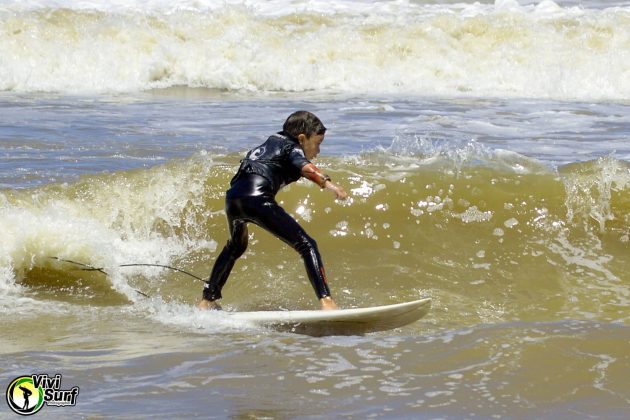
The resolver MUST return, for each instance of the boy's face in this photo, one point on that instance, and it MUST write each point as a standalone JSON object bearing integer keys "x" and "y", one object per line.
{"x": 310, "y": 145}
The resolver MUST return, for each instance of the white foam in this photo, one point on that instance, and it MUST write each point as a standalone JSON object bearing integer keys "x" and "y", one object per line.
{"x": 105, "y": 223}
{"x": 193, "y": 319}
{"x": 503, "y": 49}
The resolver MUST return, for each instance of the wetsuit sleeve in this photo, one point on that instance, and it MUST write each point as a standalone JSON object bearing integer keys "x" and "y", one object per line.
{"x": 297, "y": 159}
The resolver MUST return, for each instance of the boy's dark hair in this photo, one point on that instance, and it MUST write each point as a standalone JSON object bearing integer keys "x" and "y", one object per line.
{"x": 303, "y": 122}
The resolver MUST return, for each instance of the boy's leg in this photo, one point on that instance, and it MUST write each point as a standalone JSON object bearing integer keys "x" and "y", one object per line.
{"x": 234, "y": 248}
{"x": 274, "y": 219}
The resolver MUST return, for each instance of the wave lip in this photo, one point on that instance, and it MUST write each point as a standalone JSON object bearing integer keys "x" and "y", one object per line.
{"x": 504, "y": 49}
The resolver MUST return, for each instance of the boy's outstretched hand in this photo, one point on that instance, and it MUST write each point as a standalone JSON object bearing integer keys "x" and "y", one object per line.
{"x": 339, "y": 192}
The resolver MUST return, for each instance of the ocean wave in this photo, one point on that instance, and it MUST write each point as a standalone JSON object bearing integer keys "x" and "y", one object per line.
{"x": 482, "y": 213}
{"x": 504, "y": 49}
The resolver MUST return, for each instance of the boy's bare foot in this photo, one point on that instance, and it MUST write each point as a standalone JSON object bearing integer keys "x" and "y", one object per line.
{"x": 328, "y": 304}
{"x": 212, "y": 305}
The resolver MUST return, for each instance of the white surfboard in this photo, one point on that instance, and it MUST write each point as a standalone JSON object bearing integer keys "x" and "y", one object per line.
{"x": 341, "y": 321}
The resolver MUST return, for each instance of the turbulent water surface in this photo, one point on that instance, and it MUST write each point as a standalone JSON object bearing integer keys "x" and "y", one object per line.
{"x": 485, "y": 150}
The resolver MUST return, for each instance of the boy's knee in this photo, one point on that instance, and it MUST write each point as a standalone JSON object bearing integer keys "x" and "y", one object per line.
{"x": 236, "y": 248}
{"x": 305, "y": 245}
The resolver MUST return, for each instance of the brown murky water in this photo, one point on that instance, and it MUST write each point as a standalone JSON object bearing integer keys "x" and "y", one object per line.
{"x": 528, "y": 272}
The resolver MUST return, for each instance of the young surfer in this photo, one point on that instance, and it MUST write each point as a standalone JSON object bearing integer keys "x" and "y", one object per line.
{"x": 282, "y": 159}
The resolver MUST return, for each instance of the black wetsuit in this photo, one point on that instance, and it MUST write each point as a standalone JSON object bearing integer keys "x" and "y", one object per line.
{"x": 251, "y": 198}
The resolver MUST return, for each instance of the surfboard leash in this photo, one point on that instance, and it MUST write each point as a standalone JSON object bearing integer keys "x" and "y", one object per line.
{"x": 87, "y": 267}
{"x": 163, "y": 266}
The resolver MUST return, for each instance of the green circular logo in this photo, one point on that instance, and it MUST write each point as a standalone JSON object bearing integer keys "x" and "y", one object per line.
{"x": 23, "y": 398}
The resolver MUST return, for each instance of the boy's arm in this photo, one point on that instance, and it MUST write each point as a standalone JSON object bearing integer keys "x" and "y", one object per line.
{"x": 313, "y": 173}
